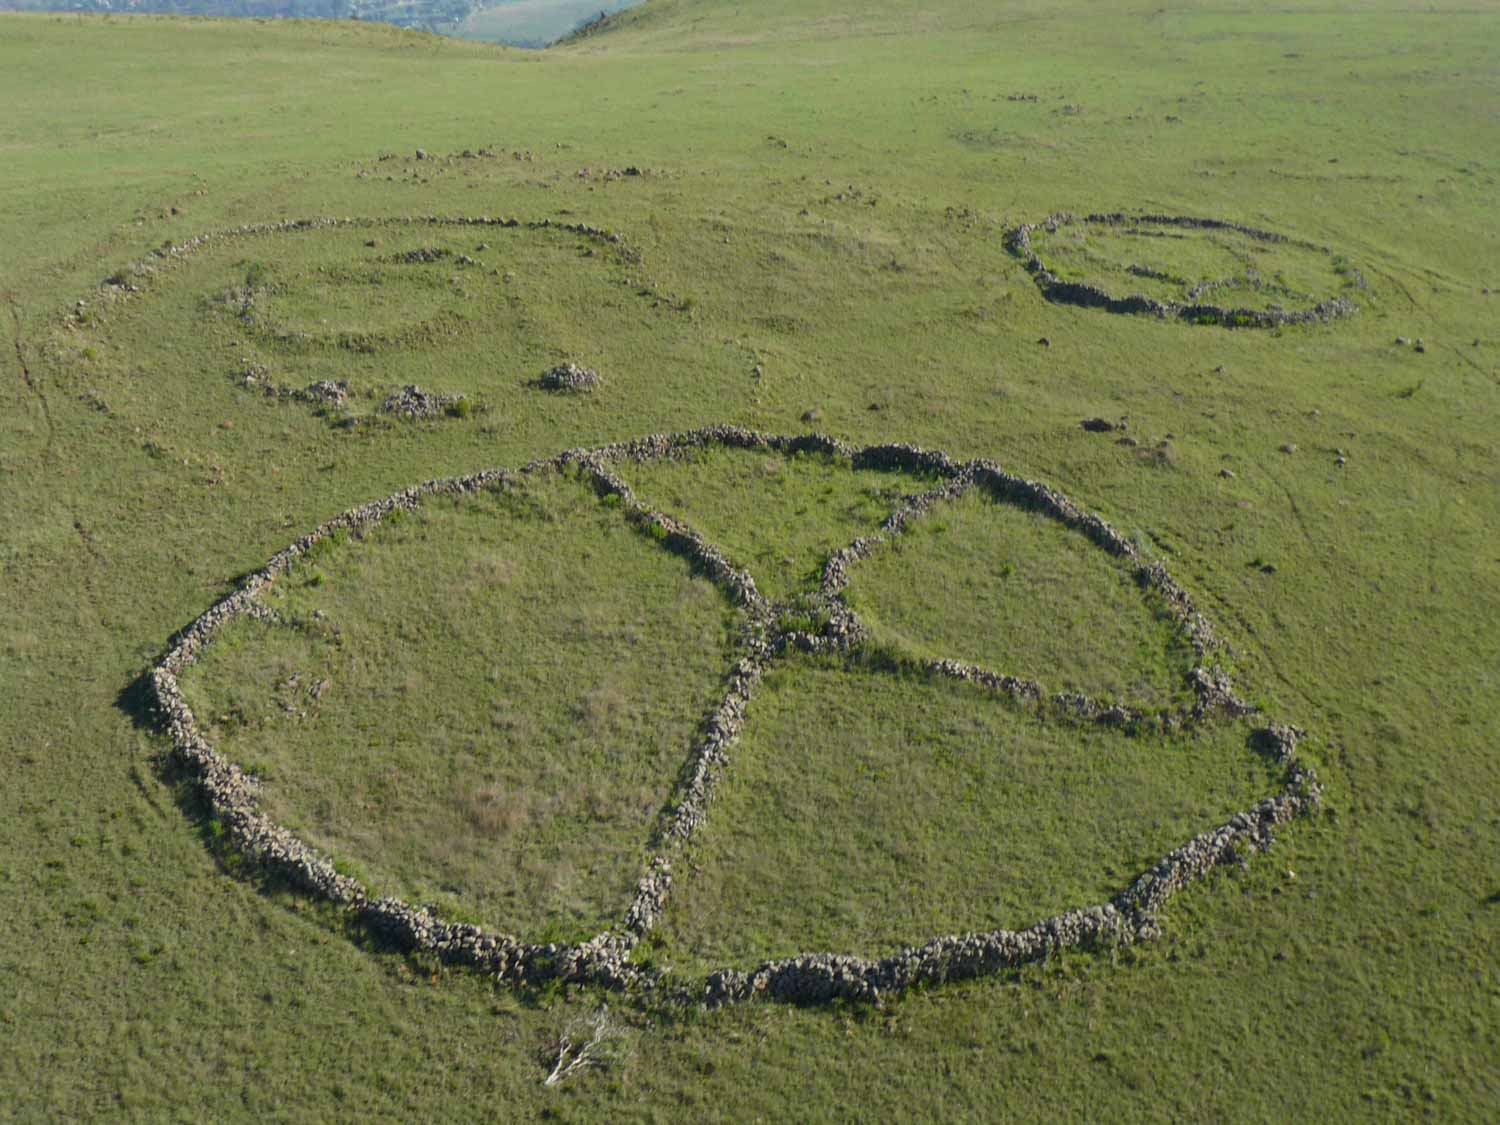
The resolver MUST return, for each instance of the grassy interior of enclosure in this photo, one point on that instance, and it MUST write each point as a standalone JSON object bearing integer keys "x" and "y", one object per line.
{"x": 1015, "y": 591}
{"x": 866, "y": 811}
{"x": 482, "y": 704}
{"x": 478, "y": 311}
{"x": 779, "y": 516}
{"x": 1167, "y": 263}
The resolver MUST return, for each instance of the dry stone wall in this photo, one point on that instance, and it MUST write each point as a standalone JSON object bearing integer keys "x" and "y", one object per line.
{"x": 1196, "y": 311}
{"x": 767, "y": 631}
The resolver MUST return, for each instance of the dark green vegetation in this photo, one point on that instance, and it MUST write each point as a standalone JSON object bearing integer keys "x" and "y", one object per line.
{"x": 829, "y": 186}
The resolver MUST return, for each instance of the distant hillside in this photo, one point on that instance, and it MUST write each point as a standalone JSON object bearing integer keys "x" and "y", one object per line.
{"x": 532, "y": 23}
{"x": 522, "y": 23}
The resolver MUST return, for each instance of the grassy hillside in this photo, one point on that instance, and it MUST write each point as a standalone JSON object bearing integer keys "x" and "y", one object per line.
{"x": 818, "y": 234}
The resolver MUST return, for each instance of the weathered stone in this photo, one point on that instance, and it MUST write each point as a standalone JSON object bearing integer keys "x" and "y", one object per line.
{"x": 570, "y": 377}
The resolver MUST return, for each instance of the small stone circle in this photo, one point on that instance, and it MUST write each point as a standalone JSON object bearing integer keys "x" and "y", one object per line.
{"x": 768, "y": 631}
{"x": 1194, "y": 310}
{"x": 134, "y": 280}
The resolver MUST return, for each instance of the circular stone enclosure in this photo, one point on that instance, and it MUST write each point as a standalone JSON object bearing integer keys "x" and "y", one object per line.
{"x": 1203, "y": 271}
{"x": 342, "y": 313}
{"x": 694, "y": 743}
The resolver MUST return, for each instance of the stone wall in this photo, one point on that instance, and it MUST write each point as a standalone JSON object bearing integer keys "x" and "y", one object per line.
{"x": 1055, "y": 289}
{"x": 766, "y": 634}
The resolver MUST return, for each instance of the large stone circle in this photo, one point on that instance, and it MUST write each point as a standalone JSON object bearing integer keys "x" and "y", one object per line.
{"x": 768, "y": 631}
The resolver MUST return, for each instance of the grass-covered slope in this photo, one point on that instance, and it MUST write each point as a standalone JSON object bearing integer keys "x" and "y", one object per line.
{"x": 820, "y": 228}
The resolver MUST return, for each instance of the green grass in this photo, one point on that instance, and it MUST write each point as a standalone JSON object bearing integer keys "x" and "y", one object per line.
{"x": 988, "y": 583}
{"x": 866, "y": 811}
{"x": 354, "y": 300}
{"x": 483, "y": 705}
{"x": 144, "y": 981}
{"x": 777, "y": 516}
{"x": 1168, "y": 263}
{"x": 322, "y": 304}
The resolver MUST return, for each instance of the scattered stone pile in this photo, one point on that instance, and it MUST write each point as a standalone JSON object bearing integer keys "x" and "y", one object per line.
{"x": 325, "y": 392}
{"x": 1054, "y": 288}
{"x": 627, "y": 173}
{"x": 411, "y": 401}
{"x": 421, "y": 255}
{"x": 765, "y": 633}
{"x": 133, "y": 279}
{"x": 570, "y": 377}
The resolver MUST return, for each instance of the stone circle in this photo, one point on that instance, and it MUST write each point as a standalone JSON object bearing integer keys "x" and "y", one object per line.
{"x": 768, "y": 631}
{"x": 247, "y": 302}
{"x": 1193, "y": 307}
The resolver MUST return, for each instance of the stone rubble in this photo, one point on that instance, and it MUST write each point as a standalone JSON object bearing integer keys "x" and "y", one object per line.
{"x": 411, "y": 401}
{"x": 421, "y": 255}
{"x": 570, "y": 377}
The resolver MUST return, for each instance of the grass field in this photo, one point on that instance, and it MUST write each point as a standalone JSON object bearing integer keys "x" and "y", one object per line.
{"x": 778, "y": 517}
{"x": 819, "y": 231}
{"x": 868, "y": 811}
{"x": 1013, "y": 591}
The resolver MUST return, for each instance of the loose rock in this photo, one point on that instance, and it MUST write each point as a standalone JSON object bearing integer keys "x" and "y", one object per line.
{"x": 1101, "y": 425}
{"x": 411, "y": 401}
{"x": 570, "y": 377}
